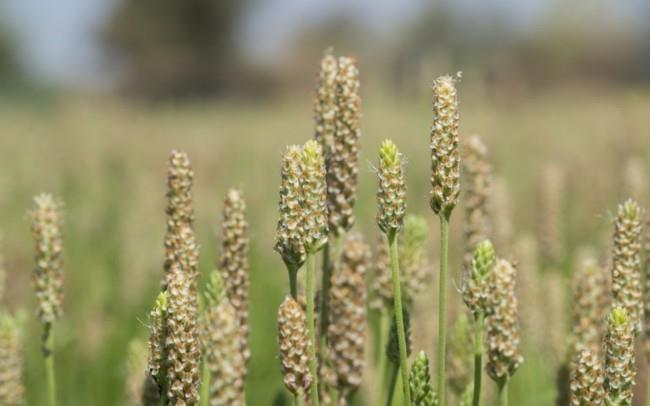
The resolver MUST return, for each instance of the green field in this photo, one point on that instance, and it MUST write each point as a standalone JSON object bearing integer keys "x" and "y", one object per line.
{"x": 107, "y": 160}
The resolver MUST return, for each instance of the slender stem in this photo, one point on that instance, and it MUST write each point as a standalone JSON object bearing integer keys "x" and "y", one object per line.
{"x": 442, "y": 307}
{"x": 478, "y": 358}
{"x": 311, "y": 269}
{"x": 399, "y": 315}
{"x": 299, "y": 398}
{"x": 334, "y": 395}
{"x": 293, "y": 281}
{"x": 48, "y": 354}
{"x": 391, "y": 385}
{"x": 325, "y": 291}
{"x": 384, "y": 328}
{"x": 503, "y": 392}
{"x": 647, "y": 387}
{"x": 205, "y": 384}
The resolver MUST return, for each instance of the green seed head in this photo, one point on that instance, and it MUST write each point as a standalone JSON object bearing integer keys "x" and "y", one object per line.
{"x": 157, "y": 334}
{"x": 627, "y": 291}
{"x": 422, "y": 393}
{"x": 314, "y": 198}
{"x": 289, "y": 237}
{"x": 620, "y": 368}
{"x": 445, "y": 157}
{"x": 475, "y": 287}
{"x": 391, "y": 194}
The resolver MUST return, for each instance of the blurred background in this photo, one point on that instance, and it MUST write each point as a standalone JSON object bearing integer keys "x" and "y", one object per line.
{"x": 95, "y": 93}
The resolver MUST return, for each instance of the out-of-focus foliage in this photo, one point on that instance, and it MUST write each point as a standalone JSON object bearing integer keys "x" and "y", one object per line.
{"x": 175, "y": 48}
{"x": 8, "y": 64}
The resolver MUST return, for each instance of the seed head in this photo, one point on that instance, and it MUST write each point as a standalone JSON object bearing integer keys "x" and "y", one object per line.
{"x": 325, "y": 102}
{"x": 422, "y": 393}
{"x": 552, "y": 195}
{"x": 48, "y": 273}
{"x": 477, "y": 180}
{"x": 342, "y": 159}
{"x": 476, "y": 288}
{"x": 222, "y": 346}
{"x": 626, "y": 264}
{"x": 182, "y": 341}
{"x": 294, "y": 346}
{"x": 12, "y": 391}
{"x": 620, "y": 369}
{"x": 289, "y": 237}
{"x": 346, "y": 333}
{"x": 502, "y": 333}
{"x": 233, "y": 261}
{"x": 314, "y": 197}
{"x": 587, "y": 380}
{"x": 392, "y": 348}
{"x": 591, "y": 303}
{"x": 180, "y": 214}
{"x": 445, "y": 157}
{"x": 141, "y": 389}
{"x": 646, "y": 270}
{"x": 157, "y": 337}
{"x": 391, "y": 194}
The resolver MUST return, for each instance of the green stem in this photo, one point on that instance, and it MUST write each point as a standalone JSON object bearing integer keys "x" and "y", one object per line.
{"x": 399, "y": 315}
{"x": 391, "y": 385}
{"x": 478, "y": 358}
{"x": 311, "y": 269}
{"x": 503, "y": 392}
{"x": 442, "y": 307}
{"x": 299, "y": 398}
{"x": 647, "y": 387}
{"x": 293, "y": 281}
{"x": 205, "y": 384}
{"x": 48, "y": 354}
{"x": 384, "y": 329}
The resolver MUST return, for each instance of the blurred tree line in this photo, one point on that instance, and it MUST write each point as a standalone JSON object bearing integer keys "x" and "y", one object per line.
{"x": 175, "y": 48}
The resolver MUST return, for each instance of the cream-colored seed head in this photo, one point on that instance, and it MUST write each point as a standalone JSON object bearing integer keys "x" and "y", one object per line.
{"x": 314, "y": 196}
{"x": 233, "y": 261}
{"x": 180, "y": 214}
{"x": 620, "y": 368}
{"x": 294, "y": 346}
{"x": 445, "y": 157}
{"x": 587, "y": 380}
{"x": 381, "y": 288}
{"x": 342, "y": 159}
{"x": 391, "y": 194}
{"x": 591, "y": 302}
{"x": 48, "y": 274}
{"x": 12, "y": 391}
{"x": 182, "y": 341}
{"x": 157, "y": 337}
{"x": 346, "y": 333}
{"x": 477, "y": 183}
{"x": 502, "y": 324}
{"x": 222, "y": 346}
{"x": 325, "y": 101}
{"x": 626, "y": 265}
{"x": 290, "y": 232}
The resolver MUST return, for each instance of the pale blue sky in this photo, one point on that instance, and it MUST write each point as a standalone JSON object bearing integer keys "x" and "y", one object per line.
{"x": 59, "y": 42}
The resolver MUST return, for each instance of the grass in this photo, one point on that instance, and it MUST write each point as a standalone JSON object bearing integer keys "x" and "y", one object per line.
{"x": 107, "y": 160}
